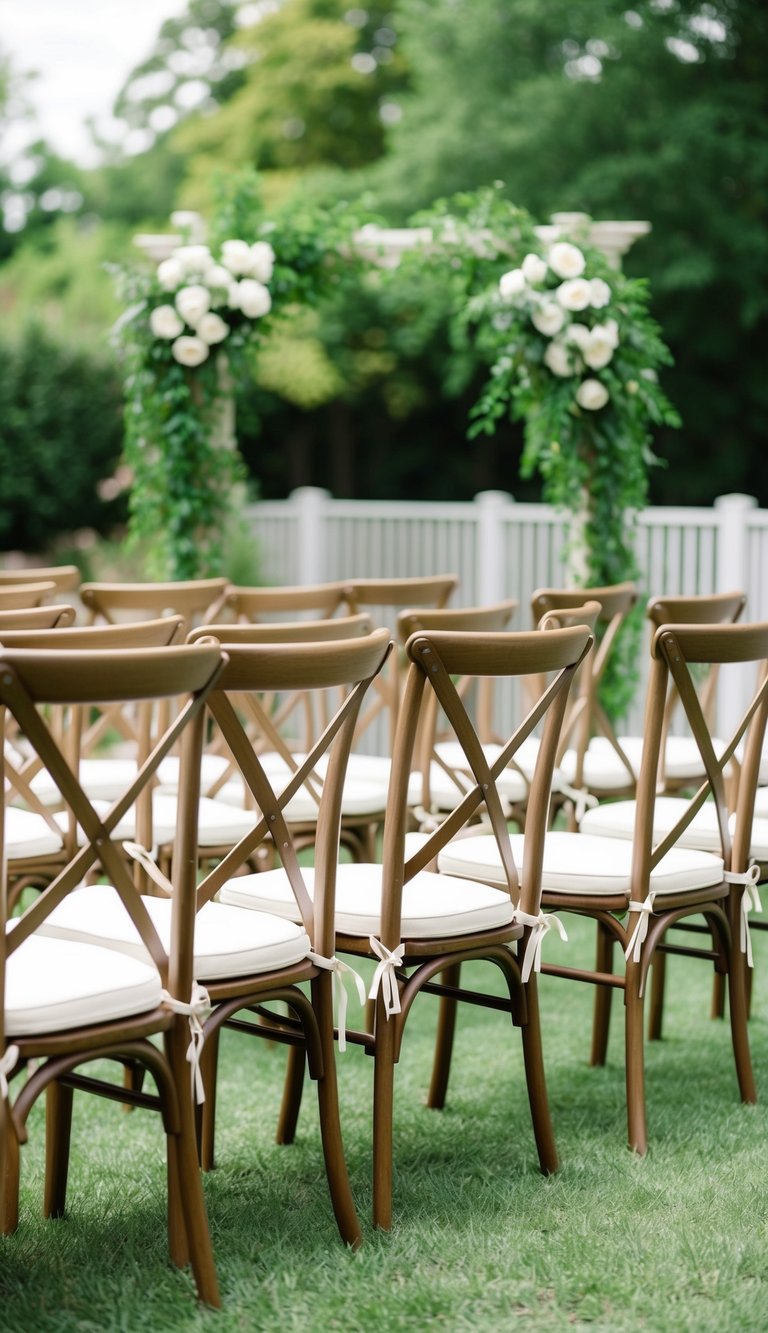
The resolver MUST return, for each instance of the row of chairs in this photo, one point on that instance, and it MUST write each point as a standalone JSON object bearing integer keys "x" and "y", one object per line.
{"x": 455, "y": 890}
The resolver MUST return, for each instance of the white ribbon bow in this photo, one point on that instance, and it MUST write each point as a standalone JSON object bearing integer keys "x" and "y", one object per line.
{"x": 338, "y": 969}
{"x": 146, "y": 860}
{"x": 197, "y": 1011}
{"x": 638, "y": 935}
{"x": 583, "y": 800}
{"x": 750, "y": 899}
{"x": 539, "y": 926}
{"x": 8, "y": 1063}
{"x": 384, "y": 976}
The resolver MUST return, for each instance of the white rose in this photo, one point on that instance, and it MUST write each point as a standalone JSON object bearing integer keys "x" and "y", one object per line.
{"x": 566, "y": 260}
{"x": 212, "y": 329}
{"x": 599, "y": 293}
{"x": 559, "y": 359}
{"x": 548, "y": 318}
{"x": 609, "y": 330}
{"x": 578, "y": 334}
{"x": 193, "y": 258}
{"x": 192, "y": 303}
{"x": 511, "y": 284}
{"x": 573, "y": 294}
{"x": 165, "y": 323}
{"x": 534, "y": 268}
{"x": 262, "y": 261}
{"x": 218, "y": 276}
{"x": 170, "y": 274}
{"x": 190, "y": 351}
{"x": 599, "y": 350}
{"x": 233, "y": 296}
{"x": 254, "y": 298}
{"x": 592, "y": 395}
{"x": 236, "y": 255}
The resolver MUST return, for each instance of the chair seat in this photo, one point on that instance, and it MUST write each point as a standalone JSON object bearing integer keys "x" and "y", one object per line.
{"x": 219, "y": 824}
{"x": 53, "y": 985}
{"x": 228, "y": 942}
{"x": 616, "y": 819}
{"x": 27, "y": 835}
{"x": 107, "y": 778}
{"x": 433, "y": 905}
{"x": 360, "y": 798}
{"x": 761, "y": 802}
{"x": 604, "y": 771}
{"x": 579, "y": 864}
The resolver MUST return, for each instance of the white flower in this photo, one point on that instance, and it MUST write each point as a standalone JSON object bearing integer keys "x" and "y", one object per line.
{"x": 165, "y": 323}
{"x": 599, "y": 293}
{"x": 233, "y": 296}
{"x": 566, "y": 260}
{"x": 253, "y": 297}
{"x": 170, "y": 274}
{"x": 573, "y": 294}
{"x": 600, "y": 348}
{"x": 218, "y": 277}
{"x": 650, "y": 374}
{"x": 534, "y": 268}
{"x": 591, "y": 395}
{"x": 192, "y": 303}
{"x": 608, "y": 329}
{"x": 559, "y": 359}
{"x": 236, "y": 255}
{"x": 511, "y": 284}
{"x": 190, "y": 351}
{"x": 193, "y": 258}
{"x": 548, "y": 318}
{"x": 262, "y": 261}
{"x": 578, "y": 334}
{"x": 212, "y": 328}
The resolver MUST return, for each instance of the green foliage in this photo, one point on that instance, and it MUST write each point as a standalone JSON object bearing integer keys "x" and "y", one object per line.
{"x": 60, "y": 435}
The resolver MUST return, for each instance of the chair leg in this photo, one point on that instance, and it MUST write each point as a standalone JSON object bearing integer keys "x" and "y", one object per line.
{"x": 330, "y": 1125}
{"x": 635, "y": 1061}
{"x": 187, "y": 1173}
{"x": 383, "y": 1105}
{"x": 717, "y": 1009}
{"x": 601, "y": 1015}
{"x": 58, "y": 1127}
{"x": 446, "y": 1028}
{"x": 292, "y": 1093}
{"x": 537, "y": 1088}
{"x": 656, "y": 1007}
{"x": 11, "y": 1165}
{"x": 206, "y": 1114}
{"x": 739, "y": 1011}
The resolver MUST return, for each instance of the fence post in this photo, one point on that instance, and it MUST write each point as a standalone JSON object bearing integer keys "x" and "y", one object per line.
{"x": 492, "y": 577}
{"x": 731, "y": 575}
{"x": 311, "y": 557}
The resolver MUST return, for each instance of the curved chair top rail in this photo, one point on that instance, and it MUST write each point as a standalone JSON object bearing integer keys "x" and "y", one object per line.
{"x": 481, "y": 618}
{"x": 37, "y": 617}
{"x": 702, "y": 609}
{"x": 432, "y": 590}
{"x": 20, "y": 596}
{"x": 65, "y": 577}
{"x": 185, "y": 597}
{"x": 616, "y": 599}
{"x": 509, "y": 653}
{"x": 286, "y": 631}
{"x": 252, "y": 603}
{"x": 712, "y": 643}
{"x": 587, "y": 614}
{"x": 136, "y": 634}
{"x": 70, "y": 676}
{"x": 303, "y": 666}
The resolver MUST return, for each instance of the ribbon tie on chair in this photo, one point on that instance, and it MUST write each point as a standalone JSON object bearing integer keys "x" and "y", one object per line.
{"x": 750, "y": 899}
{"x": 638, "y": 935}
{"x": 196, "y": 1011}
{"x": 583, "y": 799}
{"x": 384, "y": 976}
{"x": 540, "y": 925}
{"x": 7, "y": 1064}
{"x": 338, "y": 969}
{"x": 146, "y": 860}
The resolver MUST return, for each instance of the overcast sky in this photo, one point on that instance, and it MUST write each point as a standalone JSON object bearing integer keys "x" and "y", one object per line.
{"x": 82, "y": 51}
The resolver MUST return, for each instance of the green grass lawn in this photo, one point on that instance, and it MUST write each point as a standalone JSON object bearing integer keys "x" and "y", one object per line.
{"x": 678, "y": 1240}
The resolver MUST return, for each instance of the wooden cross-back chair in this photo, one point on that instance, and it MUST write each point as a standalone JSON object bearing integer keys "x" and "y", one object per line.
{"x": 246, "y": 958}
{"x": 67, "y": 1003}
{"x": 415, "y": 924}
{"x": 38, "y": 617}
{"x": 65, "y": 578}
{"x": 21, "y": 596}
{"x": 317, "y": 601}
{"x": 637, "y": 889}
{"x": 197, "y": 600}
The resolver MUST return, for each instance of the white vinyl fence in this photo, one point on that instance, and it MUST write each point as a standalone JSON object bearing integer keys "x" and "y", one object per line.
{"x": 500, "y": 548}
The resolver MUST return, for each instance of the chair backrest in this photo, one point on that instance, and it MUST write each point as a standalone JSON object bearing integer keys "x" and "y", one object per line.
{"x": 312, "y": 600}
{"x": 723, "y": 608}
{"x": 195, "y": 599}
{"x": 436, "y": 659}
{"x": 34, "y": 681}
{"x": 677, "y": 652}
{"x": 259, "y": 671}
{"x": 18, "y": 596}
{"x": 65, "y": 578}
{"x": 38, "y": 617}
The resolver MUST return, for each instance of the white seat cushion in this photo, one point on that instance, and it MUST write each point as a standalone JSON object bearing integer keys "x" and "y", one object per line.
{"x": 28, "y": 835}
{"x": 580, "y": 864}
{"x": 53, "y": 985}
{"x": 219, "y": 824}
{"x": 228, "y": 942}
{"x": 511, "y": 783}
{"x": 604, "y": 771}
{"x": 615, "y": 819}
{"x": 361, "y": 798}
{"x": 761, "y": 802}
{"x": 433, "y": 905}
{"x": 107, "y": 778}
